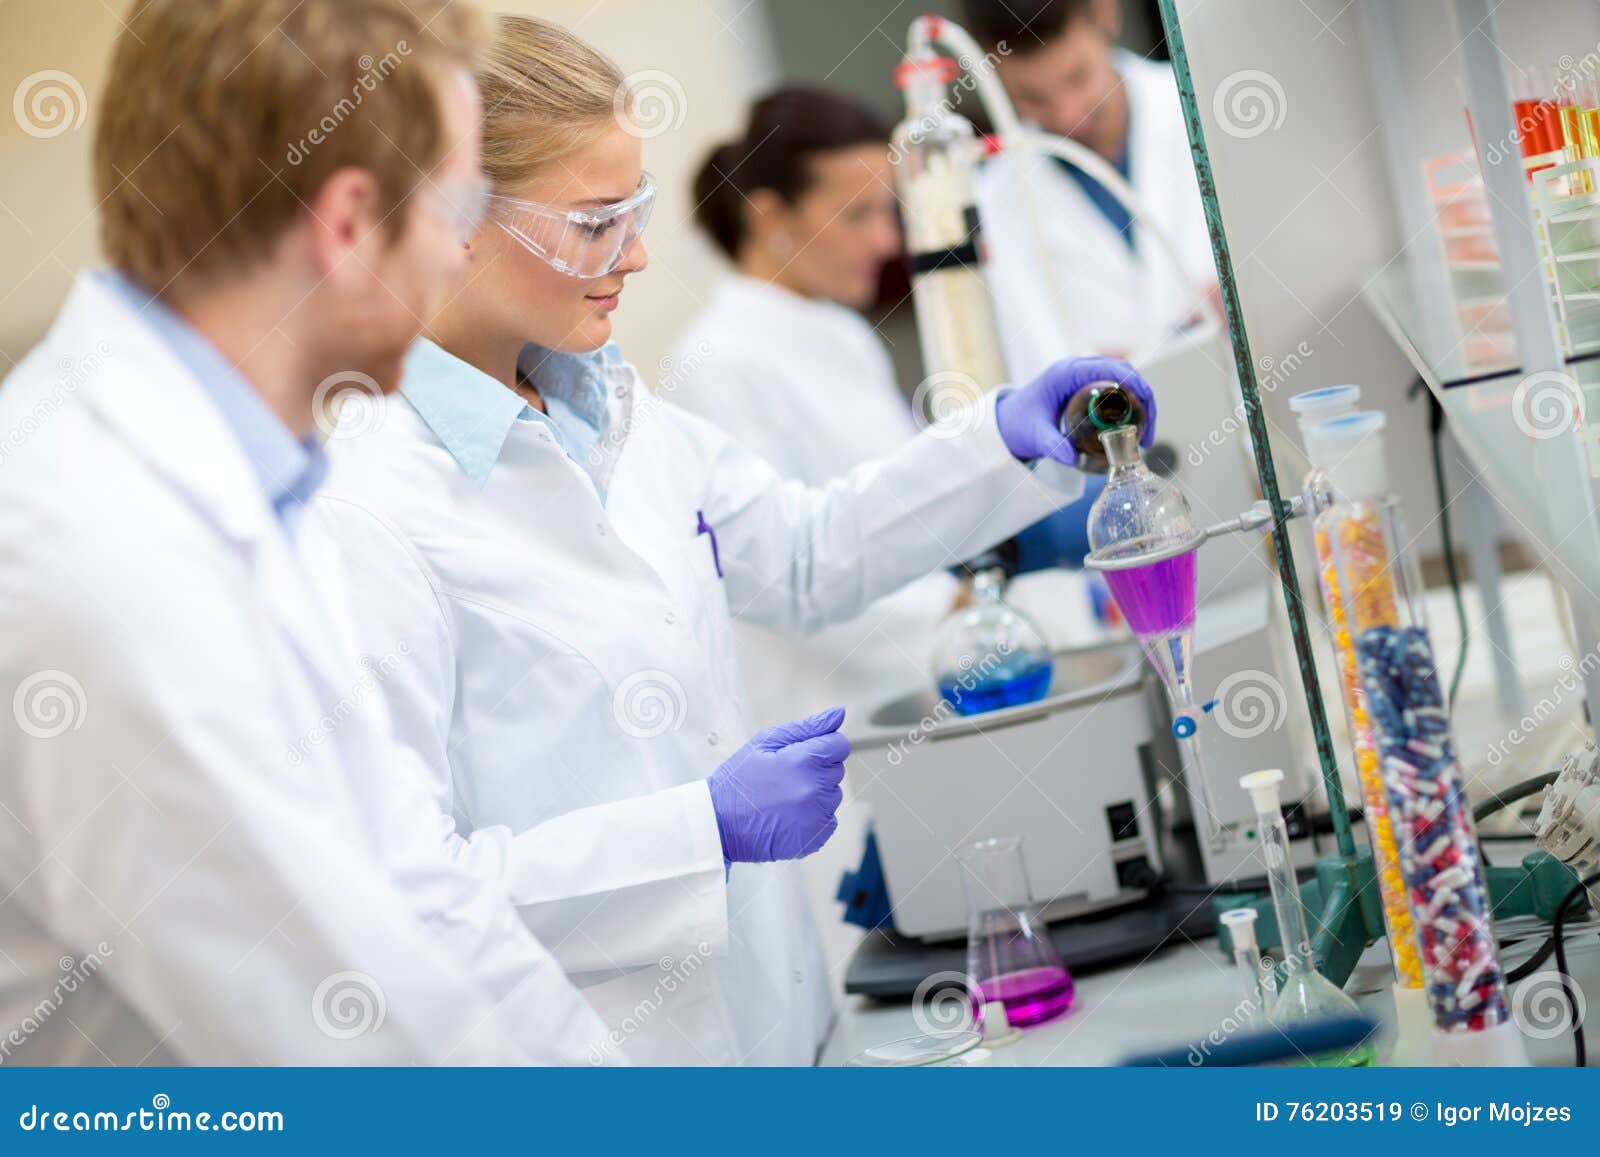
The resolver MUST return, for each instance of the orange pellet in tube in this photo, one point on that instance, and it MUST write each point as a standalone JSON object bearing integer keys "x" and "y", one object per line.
{"x": 1385, "y": 852}
{"x": 1373, "y": 601}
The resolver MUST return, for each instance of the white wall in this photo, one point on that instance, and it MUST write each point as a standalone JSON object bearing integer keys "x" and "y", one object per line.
{"x": 713, "y": 55}
{"x": 47, "y": 226}
{"x": 1315, "y": 198}
{"x": 1307, "y": 208}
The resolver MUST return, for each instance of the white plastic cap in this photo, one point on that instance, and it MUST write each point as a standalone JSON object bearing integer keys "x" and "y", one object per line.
{"x": 1241, "y": 926}
{"x": 1263, "y": 789}
{"x": 1349, "y": 449}
{"x": 1315, "y": 406}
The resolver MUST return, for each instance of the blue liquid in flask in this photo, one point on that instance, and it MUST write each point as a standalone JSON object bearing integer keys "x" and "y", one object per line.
{"x": 1007, "y": 686}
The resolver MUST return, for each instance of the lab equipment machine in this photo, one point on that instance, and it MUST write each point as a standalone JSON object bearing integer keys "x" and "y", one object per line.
{"x": 1569, "y": 819}
{"x": 936, "y": 150}
{"x": 1089, "y": 776}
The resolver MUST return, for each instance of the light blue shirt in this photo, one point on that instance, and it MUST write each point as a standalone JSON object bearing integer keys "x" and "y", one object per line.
{"x": 288, "y": 470}
{"x": 472, "y": 413}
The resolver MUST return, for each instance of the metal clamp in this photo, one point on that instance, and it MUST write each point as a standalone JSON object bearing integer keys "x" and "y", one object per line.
{"x": 1257, "y": 518}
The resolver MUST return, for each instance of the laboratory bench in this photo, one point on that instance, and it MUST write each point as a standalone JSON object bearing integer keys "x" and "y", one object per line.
{"x": 1179, "y": 994}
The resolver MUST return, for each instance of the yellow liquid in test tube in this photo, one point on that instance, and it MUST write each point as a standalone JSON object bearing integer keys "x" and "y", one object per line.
{"x": 1573, "y": 126}
{"x": 1589, "y": 133}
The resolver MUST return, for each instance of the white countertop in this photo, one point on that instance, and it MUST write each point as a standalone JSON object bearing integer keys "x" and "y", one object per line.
{"x": 1176, "y": 996}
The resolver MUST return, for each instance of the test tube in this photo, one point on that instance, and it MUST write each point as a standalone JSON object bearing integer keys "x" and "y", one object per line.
{"x": 1410, "y": 724}
{"x": 1569, "y": 104}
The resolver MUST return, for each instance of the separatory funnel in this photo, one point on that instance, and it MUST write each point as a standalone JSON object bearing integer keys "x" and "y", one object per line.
{"x": 1143, "y": 538}
{"x": 1009, "y": 954}
{"x": 989, "y": 655}
{"x": 1305, "y": 994}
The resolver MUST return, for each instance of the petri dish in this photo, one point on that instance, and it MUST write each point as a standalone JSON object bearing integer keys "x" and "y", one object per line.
{"x": 909, "y": 1052}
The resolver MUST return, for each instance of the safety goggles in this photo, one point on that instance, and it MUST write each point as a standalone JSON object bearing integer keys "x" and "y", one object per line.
{"x": 579, "y": 242}
{"x": 460, "y": 204}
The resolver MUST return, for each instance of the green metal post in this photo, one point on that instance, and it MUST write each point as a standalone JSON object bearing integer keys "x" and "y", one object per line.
{"x": 1256, "y": 422}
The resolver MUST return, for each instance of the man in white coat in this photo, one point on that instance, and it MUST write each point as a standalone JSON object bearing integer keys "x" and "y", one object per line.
{"x": 210, "y": 848}
{"x": 1091, "y": 280}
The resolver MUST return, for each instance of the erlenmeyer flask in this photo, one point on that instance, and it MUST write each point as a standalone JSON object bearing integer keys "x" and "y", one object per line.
{"x": 989, "y": 655}
{"x": 1009, "y": 954}
{"x": 1143, "y": 538}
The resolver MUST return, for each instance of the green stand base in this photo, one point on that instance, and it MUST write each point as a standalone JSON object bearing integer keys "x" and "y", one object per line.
{"x": 1345, "y": 913}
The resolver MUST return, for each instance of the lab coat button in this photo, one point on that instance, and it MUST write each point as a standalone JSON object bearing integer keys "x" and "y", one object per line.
{"x": 621, "y": 390}
{"x": 670, "y": 618}
{"x": 799, "y": 977}
{"x": 601, "y": 528}
{"x": 711, "y": 738}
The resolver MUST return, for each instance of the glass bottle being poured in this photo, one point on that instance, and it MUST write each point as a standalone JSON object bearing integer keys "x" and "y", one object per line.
{"x": 1093, "y": 411}
{"x": 1305, "y": 994}
{"x": 1143, "y": 538}
{"x": 989, "y": 655}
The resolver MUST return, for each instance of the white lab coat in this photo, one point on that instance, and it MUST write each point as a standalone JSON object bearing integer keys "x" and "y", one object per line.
{"x": 808, "y": 386}
{"x": 1116, "y": 299}
{"x": 542, "y": 615}
{"x": 205, "y": 800}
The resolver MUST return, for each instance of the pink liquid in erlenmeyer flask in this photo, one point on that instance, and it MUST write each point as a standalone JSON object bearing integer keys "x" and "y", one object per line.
{"x": 1158, "y": 598}
{"x": 1031, "y": 996}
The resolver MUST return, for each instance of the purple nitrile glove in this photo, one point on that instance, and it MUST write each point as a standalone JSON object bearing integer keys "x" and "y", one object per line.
{"x": 776, "y": 798}
{"x": 1030, "y": 418}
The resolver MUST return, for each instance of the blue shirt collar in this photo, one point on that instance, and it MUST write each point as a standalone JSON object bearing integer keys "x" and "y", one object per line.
{"x": 471, "y": 413}
{"x": 288, "y": 470}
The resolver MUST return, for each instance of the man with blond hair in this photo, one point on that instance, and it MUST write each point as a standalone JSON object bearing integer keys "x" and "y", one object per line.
{"x": 198, "y": 793}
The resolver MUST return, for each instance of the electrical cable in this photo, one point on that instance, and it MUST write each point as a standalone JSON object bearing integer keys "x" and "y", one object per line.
{"x": 1531, "y": 965}
{"x": 1577, "y": 892}
{"x": 1501, "y": 800}
{"x": 1436, "y": 439}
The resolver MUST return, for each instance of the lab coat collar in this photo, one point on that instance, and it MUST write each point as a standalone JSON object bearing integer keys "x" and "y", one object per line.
{"x": 468, "y": 411}
{"x": 288, "y": 469}
{"x": 144, "y": 392}
{"x": 577, "y": 379}
{"x": 140, "y": 387}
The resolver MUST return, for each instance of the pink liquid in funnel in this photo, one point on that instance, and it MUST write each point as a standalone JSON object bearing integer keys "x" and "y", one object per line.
{"x": 1158, "y": 598}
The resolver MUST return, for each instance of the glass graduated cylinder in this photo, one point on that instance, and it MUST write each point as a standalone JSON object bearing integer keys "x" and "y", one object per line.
{"x": 1305, "y": 993}
{"x": 1009, "y": 954}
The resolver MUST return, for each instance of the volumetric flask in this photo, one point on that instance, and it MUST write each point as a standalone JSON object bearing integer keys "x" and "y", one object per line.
{"x": 1009, "y": 954}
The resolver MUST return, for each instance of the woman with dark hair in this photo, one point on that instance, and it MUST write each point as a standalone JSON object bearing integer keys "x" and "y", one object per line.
{"x": 803, "y": 206}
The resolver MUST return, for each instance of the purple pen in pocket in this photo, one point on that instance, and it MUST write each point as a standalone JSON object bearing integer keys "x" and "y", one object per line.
{"x": 704, "y": 527}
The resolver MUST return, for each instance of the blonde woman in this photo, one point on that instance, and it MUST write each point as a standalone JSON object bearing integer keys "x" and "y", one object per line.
{"x": 562, "y": 556}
